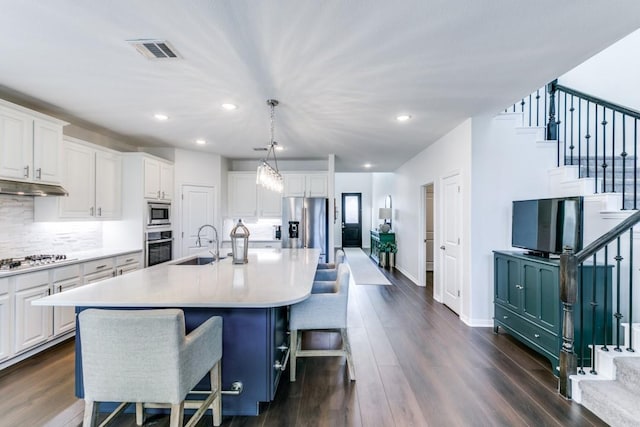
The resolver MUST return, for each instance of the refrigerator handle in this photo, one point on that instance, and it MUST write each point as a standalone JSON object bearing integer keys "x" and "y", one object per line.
{"x": 304, "y": 227}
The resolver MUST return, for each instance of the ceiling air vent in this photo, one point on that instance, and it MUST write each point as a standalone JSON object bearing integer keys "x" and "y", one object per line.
{"x": 155, "y": 49}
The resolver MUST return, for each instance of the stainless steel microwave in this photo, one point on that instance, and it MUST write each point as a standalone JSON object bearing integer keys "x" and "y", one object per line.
{"x": 158, "y": 214}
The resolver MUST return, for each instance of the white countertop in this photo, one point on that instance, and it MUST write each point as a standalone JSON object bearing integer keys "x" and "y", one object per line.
{"x": 72, "y": 258}
{"x": 272, "y": 277}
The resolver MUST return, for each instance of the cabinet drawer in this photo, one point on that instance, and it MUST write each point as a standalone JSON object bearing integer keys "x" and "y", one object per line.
{"x": 66, "y": 273}
{"x": 4, "y": 286}
{"x": 98, "y": 265}
{"x": 31, "y": 280}
{"x": 128, "y": 259}
{"x": 529, "y": 331}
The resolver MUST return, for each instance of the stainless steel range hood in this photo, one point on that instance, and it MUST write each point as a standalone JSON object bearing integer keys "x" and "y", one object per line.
{"x": 18, "y": 188}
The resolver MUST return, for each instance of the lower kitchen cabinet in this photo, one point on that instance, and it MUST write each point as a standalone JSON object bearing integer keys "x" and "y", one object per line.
{"x": 32, "y": 323}
{"x": 128, "y": 263}
{"x": 6, "y": 320}
{"x": 65, "y": 278}
{"x": 527, "y": 303}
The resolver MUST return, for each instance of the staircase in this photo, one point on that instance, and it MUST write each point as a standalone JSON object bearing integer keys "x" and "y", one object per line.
{"x": 613, "y": 394}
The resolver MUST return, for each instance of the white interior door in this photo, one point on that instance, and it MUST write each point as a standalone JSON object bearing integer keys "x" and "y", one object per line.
{"x": 450, "y": 247}
{"x": 198, "y": 208}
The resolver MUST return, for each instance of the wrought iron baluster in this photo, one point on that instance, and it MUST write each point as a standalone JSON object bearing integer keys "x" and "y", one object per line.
{"x": 538, "y": 108}
{"x": 595, "y": 145}
{"x": 630, "y": 343}
{"x": 604, "y": 149}
{"x": 581, "y": 336}
{"x": 571, "y": 146}
{"x": 618, "y": 315}
{"x": 594, "y": 305}
{"x": 624, "y": 161}
{"x": 635, "y": 164}
{"x": 588, "y": 138}
{"x": 564, "y": 128}
{"x": 580, "y": 174}
{"x": 530, "y": 110}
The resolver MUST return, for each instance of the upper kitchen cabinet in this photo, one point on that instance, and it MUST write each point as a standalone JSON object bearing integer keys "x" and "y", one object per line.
{"x": 158, "y": 180}
{"x": 93, "y": 177}
{"x": 305, "y": 184}
{"x": 249, "y": 200}
{"x": 30, "y": 145}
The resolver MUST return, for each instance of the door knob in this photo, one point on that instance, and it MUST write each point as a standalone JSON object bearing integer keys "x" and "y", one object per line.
{"x": 442, "y": 247}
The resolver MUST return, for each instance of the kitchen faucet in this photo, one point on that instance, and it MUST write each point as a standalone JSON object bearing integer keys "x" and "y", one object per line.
{"x": 216, "y": 256}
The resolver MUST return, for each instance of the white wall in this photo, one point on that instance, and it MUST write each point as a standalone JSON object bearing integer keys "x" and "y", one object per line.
{"x": 354, "y": 183}
{"x": 603, "y": 73}
{"x": 450, "y": 154}
{"x": 382, "y": 186}
{"x": 197, "y": 168}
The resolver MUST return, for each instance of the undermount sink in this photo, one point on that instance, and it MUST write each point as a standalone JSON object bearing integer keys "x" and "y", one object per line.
{"x": 199, "y": 261}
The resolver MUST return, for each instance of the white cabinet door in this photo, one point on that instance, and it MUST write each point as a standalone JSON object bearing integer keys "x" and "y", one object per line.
{"x": 127, "y": 268}
{"x": 243, "y": 195}
{"x": 64, "y": 318}
{"x": 294, "y": 185}
{"x": 6, "y": 320}
{"x": 16, "y": 144}
{"x": 316, "y": 185}
{"x": 270, "y": 203}
{"x": 108, "y": 182}
{"x": 151, "y": 179}
{"x": 166, "y": 181}
{"x": 97, "y": 277}
{"x": 33, "y": 324}
{"x": 79, "y": 181}
{"x": 47, "y": 151}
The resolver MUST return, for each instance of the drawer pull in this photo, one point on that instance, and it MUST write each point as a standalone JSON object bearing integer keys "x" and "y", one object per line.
{"x": 536, "y": 335}
{"x": 129, "y": 259}
{"x": 101, "y": 266}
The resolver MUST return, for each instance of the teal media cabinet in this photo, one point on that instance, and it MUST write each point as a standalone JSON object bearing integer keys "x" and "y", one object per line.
{"x": 527, "y": 303}
{"x": 376, "y": 239}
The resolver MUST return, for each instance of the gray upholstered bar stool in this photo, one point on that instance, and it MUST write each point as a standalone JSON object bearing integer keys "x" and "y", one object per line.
{"x": 144, "y": 357}
{"x": 322, "y": 311}
{"x": 327, "y": 274}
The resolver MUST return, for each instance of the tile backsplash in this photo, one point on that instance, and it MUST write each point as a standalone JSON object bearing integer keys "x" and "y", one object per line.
{"x": 20, "y": 235}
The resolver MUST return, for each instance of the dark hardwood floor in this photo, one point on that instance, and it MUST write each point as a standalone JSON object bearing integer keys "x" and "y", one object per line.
{"x": 416, "y": 364}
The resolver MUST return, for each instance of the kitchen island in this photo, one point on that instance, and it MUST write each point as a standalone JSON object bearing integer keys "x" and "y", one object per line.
{"x": 252, "y": 299}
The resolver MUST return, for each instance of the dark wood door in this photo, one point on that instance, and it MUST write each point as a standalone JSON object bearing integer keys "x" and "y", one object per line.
{"x": 351, "y": 220}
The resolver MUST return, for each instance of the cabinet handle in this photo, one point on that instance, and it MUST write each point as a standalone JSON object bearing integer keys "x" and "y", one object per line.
{"x": 101, "y": 266}
{"x": 536, "y": 335}
{"x": 442, "y": 247}
{"x": 519, "y": 287}
{"x": 114, "y": 273}
{"x": 129, "y": 260}
{"x": 48, "y": 291}
{"x": 163, "y": 194}
{"x": 91, "y": 211}
{"x": 39, "y": 173}
{"x": 26, "y": 171}
{"x": 158, "y": 194}
{"x": 59, "y": 288}
{"x": 99, "y": 211}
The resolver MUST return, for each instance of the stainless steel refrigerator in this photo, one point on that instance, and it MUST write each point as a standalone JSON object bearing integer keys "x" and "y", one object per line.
{"x": 305, "y": 223}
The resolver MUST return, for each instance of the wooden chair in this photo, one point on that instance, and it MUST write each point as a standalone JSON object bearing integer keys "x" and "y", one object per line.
{"x": 322, "y": 311}
{"x": 144, "y": 357}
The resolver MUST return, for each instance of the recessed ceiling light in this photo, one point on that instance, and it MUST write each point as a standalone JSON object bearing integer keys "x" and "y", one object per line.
{"x": 403, "y": 117}
{"x": 229, "y": 107}
{"x": 201, "y": 141}
{"x": 278, "y": 148}
{"x": 161, "y": 117}
{"x": 367, "y": 165}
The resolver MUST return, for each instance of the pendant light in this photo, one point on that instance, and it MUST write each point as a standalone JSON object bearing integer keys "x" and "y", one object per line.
{"x": 267, "y": 175}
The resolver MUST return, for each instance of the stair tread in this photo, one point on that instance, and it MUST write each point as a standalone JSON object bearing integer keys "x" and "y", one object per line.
{"x": 611, "y": 401}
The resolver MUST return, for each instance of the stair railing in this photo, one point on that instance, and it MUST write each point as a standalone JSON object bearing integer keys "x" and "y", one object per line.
{"x": 597, "y": 136}
{"x": 594, "y": 315}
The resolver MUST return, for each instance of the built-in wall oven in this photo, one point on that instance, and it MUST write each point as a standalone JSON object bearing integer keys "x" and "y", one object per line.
{"x": 159, "y": 247}
{"x": 158, "y": 214}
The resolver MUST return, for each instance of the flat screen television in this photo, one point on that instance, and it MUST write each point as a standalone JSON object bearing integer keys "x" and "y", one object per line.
{"x": 546, "y": 226}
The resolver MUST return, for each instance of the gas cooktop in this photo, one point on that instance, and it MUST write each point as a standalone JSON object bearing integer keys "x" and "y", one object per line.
{"x": 30, "y": 261}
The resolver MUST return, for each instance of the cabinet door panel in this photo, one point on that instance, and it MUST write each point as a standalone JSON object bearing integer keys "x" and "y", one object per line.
{"x": 316, "y": 185}
{"x": 243, "y": 195}
{"x": 47, "y": 151}
{"x": 166, "y": 181}
{"x": 550, "y": 295}
{"x": 16, "y": 144}
{"x": 531, "y": 290}
{"x": 64, "y": 318}
{"x": 79, "y": 181}
{"x": 108, "y": 181}
{"x": 294, "y": 185}
{"x": 7, "y": 327}
{"x": 151, "y": 179}
{"x": 33, "y": 323}
{"x": 270, "y": 203}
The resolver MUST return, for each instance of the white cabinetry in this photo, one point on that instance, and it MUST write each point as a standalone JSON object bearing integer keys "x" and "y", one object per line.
{"x": 158, "y": 180}
{"x": 32, "y": 323}
{"x": 249, "y": 200}
{"x": 30, "y": 145}
{"x": 6, "y": 320}
{"x": 65, "y": 278}
{"x": 305, "y": 184}
{"x": 128, "y": 263}
{"x": 93, "y": 177}
{"x": 97, "y": 270}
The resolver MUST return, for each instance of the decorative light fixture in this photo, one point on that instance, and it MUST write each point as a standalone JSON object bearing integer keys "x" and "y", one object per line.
{"x": 229, "y": 107}
{"x": 268, "y": 176}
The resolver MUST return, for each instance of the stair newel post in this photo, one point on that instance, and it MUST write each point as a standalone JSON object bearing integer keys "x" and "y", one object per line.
{"x": 568, "y": 294}
{"x": 552, "y": 125}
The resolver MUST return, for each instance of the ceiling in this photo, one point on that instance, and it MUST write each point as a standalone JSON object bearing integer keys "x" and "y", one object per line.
{"x": 342, "y": 70}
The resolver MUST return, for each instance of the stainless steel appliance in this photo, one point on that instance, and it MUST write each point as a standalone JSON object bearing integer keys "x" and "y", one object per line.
{"x": 159, "y": 247}
{"x": 305, "y": 223}
{"x": 30, "y": 261}
{"x": 158, "y": 214}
